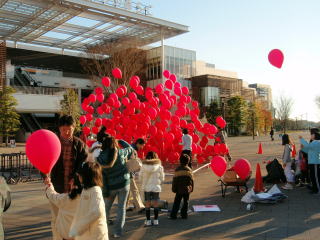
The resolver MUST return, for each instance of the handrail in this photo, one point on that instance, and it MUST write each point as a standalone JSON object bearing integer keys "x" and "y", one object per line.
{"x": 39, "y": 90}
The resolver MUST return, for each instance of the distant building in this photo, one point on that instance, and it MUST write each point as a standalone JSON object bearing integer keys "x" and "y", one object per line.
{"x": 203, "y": 68}
{"x": 206, "y": 88}
{"x": 179, "y": 61}
{"x": 264, "y": 94}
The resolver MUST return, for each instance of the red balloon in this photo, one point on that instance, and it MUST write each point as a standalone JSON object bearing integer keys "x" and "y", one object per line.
{"x": 195, "y": 104}
{"x": 242, "y": 167}
{"x": 221, "y": 122}
{"x": 86, "y": 131}
{"x": 185, "y": 90}
{"x": 169, "y": 84}
{"x": 132, "y": 96}
{"x": 43, "y": 149}
{"x": 177, "y": 85}
{"x": 106, "y": 81}
{"x": 178, "y": 91}
{"x": 152, "y": 113}
{"x": 117, "y": 104}
{"x": 139, "y": 90}
{"x": 276, "y": 58}
{"x": 125, "y": 101}
{"x": 92, "y": 98}
{"x": 173, "y": 78}
{"x": 166, "y": 73}
{"x": 116, "y": 72}
{"x": 98, "y": 90}
{"x": 98, "y": 122}
{"x": 120, "y": 92}
{"x": 159, "y": 88}
{"x": 89, "y": 117}
{"x": 125, "y": 89}
{"x": 84, "y": 106}
{"x": 149, "y": 94}
{"x": 134, "y": 82}
{"x": 218, "y": 165}
{"x": 95, "y": 130}
{"x": 100, "y": 97}
{"x": 100, "y": 110}
{"x": 83, "y": 119}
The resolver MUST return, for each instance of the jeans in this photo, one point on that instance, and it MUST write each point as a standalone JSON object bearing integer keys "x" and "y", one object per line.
{"x": 176, "y": 205}
{"x": 122, "y": 194}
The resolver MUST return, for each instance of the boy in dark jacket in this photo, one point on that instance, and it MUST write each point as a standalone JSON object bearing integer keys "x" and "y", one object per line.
{"x": 182, "y": 186}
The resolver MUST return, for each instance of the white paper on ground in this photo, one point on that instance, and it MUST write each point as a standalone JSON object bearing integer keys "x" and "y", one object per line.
{"x": 247, "y": 198}
{"x": 206, "y": 208}
{"x": 263, "y": 195}
{"x": 274, "y": 190}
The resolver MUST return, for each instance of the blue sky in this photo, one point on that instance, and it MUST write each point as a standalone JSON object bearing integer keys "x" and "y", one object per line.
{"x": 237, "y": 35}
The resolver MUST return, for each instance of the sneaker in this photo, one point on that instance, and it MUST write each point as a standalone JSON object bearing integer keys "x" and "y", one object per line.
{"x": 287, "y": 186}
{"x": 116, "y": 235}
{"x": 147, "y": 223}
{"x": 155, "y": 222}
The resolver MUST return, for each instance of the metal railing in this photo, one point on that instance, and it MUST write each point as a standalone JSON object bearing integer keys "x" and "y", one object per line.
{"x": 15, "y": 168}
{"x": 39, "y": 90}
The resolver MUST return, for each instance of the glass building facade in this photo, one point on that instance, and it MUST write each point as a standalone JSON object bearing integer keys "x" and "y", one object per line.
{"x": 208, "y": 95}
{"x": 181, "y": 62}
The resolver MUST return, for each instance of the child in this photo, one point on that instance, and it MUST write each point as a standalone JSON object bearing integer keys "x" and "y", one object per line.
{"x": 90, "y": 219}
{"x": 67, "y": 205}
{"x": 182, "y": 186}
{"x": 287, "y": 162}
{"x": 151, "y": 176}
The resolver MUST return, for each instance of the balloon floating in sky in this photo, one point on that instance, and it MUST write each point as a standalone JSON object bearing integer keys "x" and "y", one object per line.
{"x": 276, "y": 58}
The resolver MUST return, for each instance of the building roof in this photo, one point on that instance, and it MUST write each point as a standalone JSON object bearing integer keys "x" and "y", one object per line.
{"x": 78, "y": 24}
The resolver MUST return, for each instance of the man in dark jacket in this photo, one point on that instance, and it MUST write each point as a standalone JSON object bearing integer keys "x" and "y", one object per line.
{"x": 182, "y": 186}
{"x": 73, "y": 154}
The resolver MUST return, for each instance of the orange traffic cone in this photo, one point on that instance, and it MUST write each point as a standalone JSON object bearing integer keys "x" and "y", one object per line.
{"x": 260, "y": 149}
{"x": 294, "y": 152}
{"x": 258, "y": 184}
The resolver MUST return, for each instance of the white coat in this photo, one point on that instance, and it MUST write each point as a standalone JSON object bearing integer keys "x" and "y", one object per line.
{"x": 3, "y": 193}
{"x": 67, "y": 209}
{"x": 90, "y": 219}
{"x": 151, "y": 175}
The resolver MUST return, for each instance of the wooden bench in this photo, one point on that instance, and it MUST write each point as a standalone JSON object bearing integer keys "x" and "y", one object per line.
{"x": 233, "y": 181}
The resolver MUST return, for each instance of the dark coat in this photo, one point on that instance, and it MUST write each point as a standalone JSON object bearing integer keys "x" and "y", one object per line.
{"x": 80, "y": 154}
{"x": 182, "y": 180}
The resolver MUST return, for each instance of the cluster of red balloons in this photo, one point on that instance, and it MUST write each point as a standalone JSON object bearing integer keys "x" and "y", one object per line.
{"x": 156, "y": 115}
{"x": 219, "y": 166}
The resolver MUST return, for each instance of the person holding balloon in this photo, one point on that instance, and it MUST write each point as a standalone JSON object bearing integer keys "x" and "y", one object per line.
{"x": 73, "y": 154}
{"x": 67, "y": 204}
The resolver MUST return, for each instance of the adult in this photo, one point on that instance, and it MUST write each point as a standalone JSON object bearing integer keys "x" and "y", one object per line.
{"x": 134, "y": 190}
{"x": 221, "y": 138}
{"x": 287, "y": 162}
{"x": 313, "y": 151}
{"x": 5, "y": 201}
{"x": 271, "y": 134}
{"x": 187, "y": 145}
{"x": 116, "y": 178}
{"x": 73, "y": 154}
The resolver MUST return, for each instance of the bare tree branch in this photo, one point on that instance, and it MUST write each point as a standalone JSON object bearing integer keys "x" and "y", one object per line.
{"x": 284, "y": 108}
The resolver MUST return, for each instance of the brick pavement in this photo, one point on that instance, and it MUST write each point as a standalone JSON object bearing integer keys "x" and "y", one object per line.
{"x": 296, "y": 218}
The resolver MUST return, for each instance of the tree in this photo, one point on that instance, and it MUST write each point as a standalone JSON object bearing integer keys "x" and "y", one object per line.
{"x": 9, "y": 118}
{"x": 252, "y": 119}
{"x": 267, "y": 120}
{"x": 236, "y": 114}
{"x": 70, "y": 106}
{"x": 213, "y": 111}
{"x": 284, "y": 108}
{"x": 107, "y": 56}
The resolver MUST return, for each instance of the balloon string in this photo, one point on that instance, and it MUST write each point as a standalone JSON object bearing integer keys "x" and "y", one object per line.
{"x": 195, "y": 171}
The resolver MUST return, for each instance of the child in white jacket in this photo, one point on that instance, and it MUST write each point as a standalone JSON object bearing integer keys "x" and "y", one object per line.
{"x": 67, "y": 205}
{"x": 90, "y": 219}
{"x": 151, "y": 177}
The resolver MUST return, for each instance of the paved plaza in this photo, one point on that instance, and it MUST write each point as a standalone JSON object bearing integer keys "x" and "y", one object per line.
{"x": 298, "y": 217}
